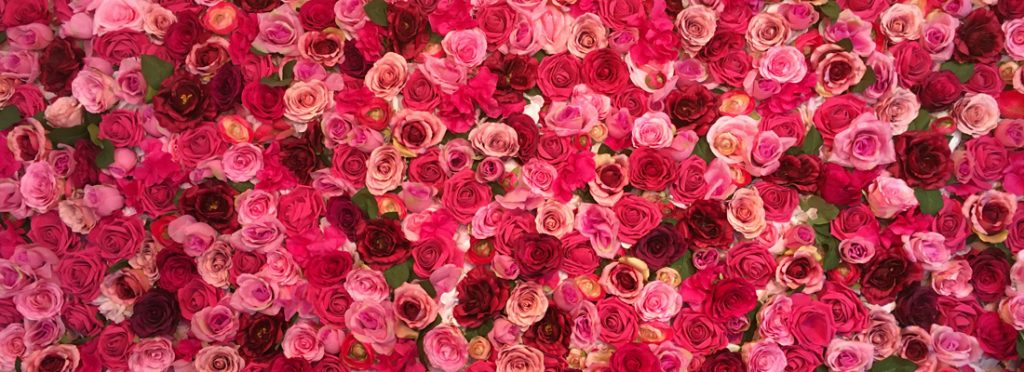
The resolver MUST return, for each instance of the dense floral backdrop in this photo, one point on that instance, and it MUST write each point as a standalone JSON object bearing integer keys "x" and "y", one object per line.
{"x": 511, "y": 185}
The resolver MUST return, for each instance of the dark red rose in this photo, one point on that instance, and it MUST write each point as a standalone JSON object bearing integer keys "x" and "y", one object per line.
{"x": 481, "y": 297}
{"x": 723, "y": 42}
{"x": 117, "y": 236}
{"x": 802, "y": 359}
{"x": 857, "y": 220}
{"x": 917, "y": 306}
{"x": 619, "y": 324}
{"x": 328, "y": 269}
{"x": 867, "y": 10}
{"x": 155, "y": 314}
{"x": 259, "y": 334}
{"x": 848, "y": 313}
{"x": 407, "y": 31}
{"x": 212, "y": 203}
{"x": 604, "y": 71}
{"x": 558, "y": 75}
{"x": 722, "y": 361}
{"x": 58, "y": 64}
{"x": 115, "y": 344}
{"x": 1010, "y": 9}
{"x": 158, "y": 198}
{"x": 751, "y": 262}
{"x": 886, "y": 275}
{"x": 81, "y": 273}
{"x": 317, "y": 15}
{"x": 551, "y": 333}
{"x": 697, "y": 333}
{"x": 122, "y": 127}
{"x": 536, "y": 254}
{"x": 578, "y": 256}
{"x": 779, "y": 201}
{"x": 991, "y": 274}
{"x": 651, "y": 169}
{"x": 226, "y": 87}
{"x": 732, "y": 68}
{"x": 660, "y": 247}
{"x": 800, "y": 172}
{"x": 836, "y": 114}
{"x": 922, "y": 159}
{"x": 175, "y": 268}
{"x": 909, "y": 57}
{"x": 515, "y": 72}
{"x": 354, "y": 64}
{"x": 349, "y": 164}
{"x": 263, "y": 102}
{"x": 430, "y": 253}
{"x": 260, "y": 6}
{"x": 692, "y": 106}
{"x": 197, "y": 295}
{"x": 997, "y": 338}
{"x": 345, "y": 215}
{"x": 496, "y": 21}
{"x": 706, "y": 225}
{"x": 637, "y": 216}
{"x": 382, "y": 244}
{"x": 18, "y": 13}
{"x": 939, "y": 90}
{"x": 528, "y": 134}
{"x": 985, "y": 80}
{"x": 635, "y": 358}
{"x": 117, "y": 45}
{"x": 632, "y": 99}
{"x": 331, "y": 303}
{"x": 182, "y": 103}
{"x": 329, "y": 363}
{"x": 811, "y": 322}
{"x": 464, "y": 195}
{"x": 979, "y": 39}
{"x": 730, "y": 298}
{"x": 916, "y": 349}
{"x": 183, "y": 34}
{"x": 841, "y": 186}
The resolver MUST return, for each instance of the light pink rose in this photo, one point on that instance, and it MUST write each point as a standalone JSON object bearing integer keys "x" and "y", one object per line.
{"x": 902, "y": 22}
{"x": 365, "y": 284}
{"x": 539, "y": 176}
{"x": 11, "y": 200}
{"x": 898, "y": 109}
{"x": 783, "y": 64}
{"x": 214, "y": 264}
{"x": 466, "y": 47}
{"x": 242, "y": 161}
{"x": 351, "y": 14}
{"x": 444, "y": 72}
{"x": 282, "y": 270}
{"x": 33, "y": 36}
{"x": 13, "y": 278}
{"x": 151, "y": 354}
{"x": 78, "y": 27}
{"x": 417, "y": 131}
{"x": 865, "y": 144}
{"x": 976, "y": 114}
{"x": 552, "y": 25}
{"x": 304, "y": 101}
{"x": 586, "y": 324}
{"x": 658, "y": 301}
{"x": 889, "y": 196}
{"x": 1011, "y": 310}
{"x": 504, "y": 333}
{"x": 1014, "y": 31}
{"x": 765, "y": 151}
{"x": 413, "y": 296}
{"x": 885, "y": 75}
{"x": 525, "y": 38}
{"x": 554, "y": 218}
{"x": 387, "y": 76}
{"x": 850, "y": 26}
{"x": 937, "y": 35}
{"x": 766, "y": 30}
{"x": 64, "y": 112}
{"x": 217, "y": 323}
{"x": 384, "y": 170}
{"x": 263, "y": 235}
{"x": 883, "y": 333}
{"x": 373, "y": 323}
{"x": 571, "y": 118}
{"x": 763, "y": 356}
{"x": 446, "y": 348}
{"x": 301, "y": 341}
{"x": 601, "y": 226}
{"x": 20, "y": 64}
{"x": 40, "y": 188}
{"x": 953, "y": 279}
{"x": 157, "y": 21}
{"x": 219, "y": 358}
{"x": 653, "y": 129}
{"x": 732, "y": 138}
{"x": 586, "y": 34}
{"x": 495, "y": 139}
{"x": 39, "y": 333}
{"x": 113, "y": 15}
{"x": 799, "y": 15}
{"x": 253, "y": 205}
{"x": 954, "y": 348}
{"x": 280, "y": 30}
{"x": 849, "y": 356}
{"x": 255, "y": 294}
{"x": 612, "y": 177}
{"x": 856, "y": 250}
{"x": 1010, "y": 133}
{"x": 103, "y": 199}
{"x": 12, "y": 345}
{"x": 696, "y": 25}
{"x": 745, "y": 212}
{"x": 526, "y": 304}
{"x": 928, "y": 248}
{"x": 96, "y": 90}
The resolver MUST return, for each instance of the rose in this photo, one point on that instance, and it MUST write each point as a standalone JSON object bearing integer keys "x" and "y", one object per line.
{"x": 419, "y": 93}
{"x": 732, "y": 68}
{"x": 954, "y": 348}
{"x": 886, "y": 275}
{"x": 195, "y": 145}
{"x": 414, "y": 306}
{"x": 976, "y": 114}
{"x": 117, "y": 45}
{"x": 330, "y": 304}
{"x": 867, "y": 10}
{"x": 928, "y": 248}
{"x": 990, "y": 213}
{"x": 706, "y": 223}
{"x": 304, "y": 101}
{"x": 909, "y": 56}
{"x": 848, "y": 312}
{"x": 784, "y": 64}
{"x": 385, "y": 169}
{"x": 212, "y": 203}
{"x": 537, "y": 255}
{"x": 300, "y": 210}
{"x": 407, "y": 31}
{"x": 923, "y": 159}
{"x": 259, "y": 334}
{"x": 746, "y": 212}
{"x": 697, "y": 333}
{"x": 364, "y": 284}
{"x": 218, "y": 358}
{"x": 117, "y": 236}
{"x": 635, "y": 357}
{"x": 328, "y": 269}
{"x": 301, "y": 341}
{"x": 255, "y": 294}
{"x": 845, "y": 355}
{"x": 917, "y": 306}
{"x": 660, "y": 247}
{"x": 578, "y": 257}
{"x": 995, "y": 337}
{"x": 519, "y": 358}
{"x": 618, "y": 321}
{"x": 59, "y": 62}
{"x": 988, "y": 158}
{"x": 767, "y": 30}
{"x": 526, "y": 304}
{"x": 764, "y": 356}
{"x": 263, "y": 102}
{"x": 321, "y": 47}
{"x": 123, "y": 128}
{"x": 463, "y": 196}
{"x": 182, "y": 103}
{"x": 446, "y": 348}
{"x": 416, "y": 131}
{"x": 696, "y": 26}
{"x": 898, "y": 109}
{"x": 382, "y": 244}
{"x": 387, "y": 76}
{"x": 991, "y": 275}
{"x": 372, "y": 323}
{"x": 604, "y": 71}
{"x": 558, "y": 74}
{"x": 979, "y": 39}
{"x": 53, "y": 357}
{"x": 81, "y": 273}
{"x": 811, "y": 323}
{"x": 39, "y": 186}
{"x": 658, "y": 301}
{"x": 939, "y": 90}
{"x": 623, "y": 279}
{"x": 801, "y": 172}
{"x": 39, "y": 300}
{"x": 176, "y": 269}
{"x": 115, "y": 341}
{"x": 863, "y": 145}
{"x": 750, "y": 262}
{"x": 836, "y": 114}
{"x": 155, "y": 314}
{"x": 481, "y": 295}
{"x": 217, "y": 323}
{"x": 430, "y": 253}
{"x": 650, "y": 169}
{"x": 637, "y": 217}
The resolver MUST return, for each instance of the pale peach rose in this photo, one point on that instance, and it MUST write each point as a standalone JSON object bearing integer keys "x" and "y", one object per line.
{"x": 902, "y": 22}
{"x": 953, "y": 278}
{"x": 113, "y": 15}
{"x": 157, "y": 21}
{"x": 553, "y": 23}
{"x": 63, "y": 112}
{"x": 898, "y": 109}
{"x": 304, "y": 101}
{"x": 746, "y": 212}
{"x": 587, "y": 34}
{"x": 653, "y": 129}
{"x": 416, "y": 131}
{"x": 214, "y": 264}
{"x": 77, "y": 216}
{"x": 976, "y": 114}
{"x": 766, "y": 30}
{"x": 219, "y": 358}
{"x": 206, "y": 58}
{"x": 554, "y": 218}
{"x": 731, "y": 138}
{"x": 387, "y": 76}
{"x": 495, "y": 139}
{"x": 526, "y": 304}
{"x": 696, "y": 25}
{"x": 519, "y": 358}
{"x": 883, "y": 333}
{"x": 385, "y": 169}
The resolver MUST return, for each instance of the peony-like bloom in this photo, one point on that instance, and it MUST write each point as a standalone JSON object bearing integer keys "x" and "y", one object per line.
{"x": 889, "y": 196}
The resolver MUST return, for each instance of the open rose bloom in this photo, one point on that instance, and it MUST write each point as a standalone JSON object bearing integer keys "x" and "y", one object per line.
{"x": 511, "y": 185}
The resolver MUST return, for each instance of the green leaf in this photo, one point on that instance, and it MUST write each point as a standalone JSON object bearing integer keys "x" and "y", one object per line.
{"x": 894, "y": 364}
{"x": 703, "y": 150}
{"x": 1020, "y": 345}
{"x": 285, "y": 78}
{"x": 922, "y": 121}
{"x": 847, "y": 44}
{"x": 3, "y": 37}
{"x": 826, "y": 211}
{"x": 118, "y": 266}
{"x": 155, "y": 70}
{"x": 67, "y": 136}
{"x": 497, "y": 188}
{"x": 539, "y": 55}
{"x": 366, "y": 201}
{"x": 419, "y": 340}
{"x": 963, "y": 71}
{"x": 829, "y": 246}
{"x": 390, "y": 215}
{"x": 821, "y": 368}
{"x": 752, "y": 321}
{"x": 865, "y": 82}
{"x": 94, "y": 134}
{"x": 8, "y": 116}
{"x": 930, "y": 200}
{"x": 604, "y": 149}
{"x": 684, "y": 265}
{"x": 482, "y": 330}
{"x": 241, "y": 186}
{"x": 830, "y": 10}
{"x": 398, "y": 274}
{"x": 377, "y": 12}
{"x": 812, "y": 141}
{"x": 17, "y": 364}
{"x": 106, "y": 155}
{"x": 428, "y": 287}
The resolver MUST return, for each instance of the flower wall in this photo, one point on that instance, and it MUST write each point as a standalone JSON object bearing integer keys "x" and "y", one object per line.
{"x": 511, "y": 185}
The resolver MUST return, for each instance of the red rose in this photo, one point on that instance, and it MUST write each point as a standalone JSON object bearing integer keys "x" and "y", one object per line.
{"x": 117, "y": 236}
{"x": 1010, "y": 9}
{"x": 226, "y": 87}
{"x": 730, "y": 298}
{"x": 811, "y": 323}
{"x": 176, "y": 269}
{"x": 300, "y": 210}
{"x": 81, "y": 273}
{"x": 723, "y": 42}
{"x": 836, "y": 114}
{"x": 430, "y": 253}
{"x": 157, "y": 198}
{"x": 637, "y": 216}
{"x": 558, "y": 75}
{"x": 604, "y": 71}
{"x": 259, "y": 6}
{"x": 182, "y": 103}
{"x": 985, "y": 80}
{"x": 705, "y": 224}
{"x": 651, "y": 169}
{"x": 331, "y": 303}
{"x": 263, "y": 102}
{"x": 551, "y": 333}
{"x": 328, "y": 269}
{"x": 991, "y": 274}
{"x": 979, "y": 39}
{"x": 212, "y": 203}
{"x": 689, "y": 184}
{"x": 857, "y": 220}
{"x": 122, "y": 127}
{"x": 989, "y": 158}
{"x": 58, "y": 63}
{"x": 425, "y": 168}
{"x": 349, "y": 164}
{"x": 481, "y": 296}
{"x": 527, "y": 132}
{"x": 735, "y": 17}
{"x": 922, "y": 159}
{"x": 660, "y": 247}
{"x": 536, "y": 254}
{"x": 697, "y": 333}
{"x": 578, "y": 257}
{"x": 619, "y": 324}
{"x": 155, "y": 314}
{"x": 117, "y": 45}
{"x": 243, "y": 262}
{"x": 867, "y": 10}
{"x": 407, "y": 31}
{"x": 788, "y": 125}
{"x": 939, "y": 90}
{"x": 802, "y": 359}
{"x": 635, "y": 358}
{"x": 383, "y": 244}
{"x": 959, "y": 314}
{"x": 951, "y": 223}
{"x": 723, "y": 360}
{"x": 750, "y": 262}
{"x": 317, "y": 15}
{"x": 19, "y": 13}
{"x": 259, "y": 334}
{"x": 513, "y": 224}
{"x": 496, "y": 21}
{"x": 909, "y": 57}
{"x": 419, "y": 93}
{"x": 917, "y": 306}
{"x": 196, "y": 295}
{"x": 840, "y": 186}
{"x": 183, "y": 34}
{"x": 49, "y": 231}
{"x": 732, "y": 68}
{"x": 779, "y": 201}
{"x": 632, "y": 99}
{"x": 692, "y": 106}
{"x": 114, "y": 345}
{"x": 997, "y": 338}
{"x": 848, "y": 313}
{"x": 554, "y": 149}
{"x": 886, "y": 275}
{"x": 463, "y": 196}
{"x": 515, "y": 72}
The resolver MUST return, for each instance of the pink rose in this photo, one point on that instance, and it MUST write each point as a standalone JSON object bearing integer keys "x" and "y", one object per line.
{"x": 586, "y": 34}
{"x": 65, "y": 357}
{"x": 1014, "y": 31}
{"x": 33, "y": 36}
{"x": 849, "y": 356}
{"x": 219, "y": 358}
{"x": 696, "y": 25}
{"x": 103, "y": 199}
{"x": 301, "y": 341}
{"x": 279, "y": 31}
{"x": 151, "y": 354}
{"x": 516, "y": 358}
{"x": 465, "y": 47}
{"x": 446, "y": 347}
{"x": 40, "y": 300}
{"x": 554, "y": 218}
{"x": 658, "y": 302}
{"x": 763, "y": 356}
{"x": 783, "y": 64}
{"x": 889, "y": 196}
{"x": 387, "y": 76}
{"x": 836, "y": 69}
{"x": 866, "y": 143}
{"x": 653, "y": 129}
{"x": 385, "y": 170}
{"x": 216, "y": 323}
{"x": 954, "y": 348}
{"x": 112, "y": 15}
{"x": 242, "y": 161}
{"x": 40, "y": 188}
{"x": 96, "y": 90}
{"x": 253, "y": 205}
{"x": 898, "y": 109}
{"x": 766, "y": 30}
{"x": 601, "y": 226}
{"x": 414, "y": 306}
{"x": 526, "y": 304}
{"x": 255, "y": 294}
{"x": 938, "y": 33}
{"x": 373, "y": 323}
{"x": 417, "y": 131}
{"x": 856, "y": 250}
{"x": 746, "y": 212}
{"x": 365, "y": 284}
{"x": 495, "y": 139}
{"x": 12, "y": 344}
{"x": 304, "y": 101}
{"x": 976, "y": 114}
{"x": 732, "y": 137}
{"x": 902, "y": 22}
{"x": 637, "y": 216}
{"x": 928, "y": 248}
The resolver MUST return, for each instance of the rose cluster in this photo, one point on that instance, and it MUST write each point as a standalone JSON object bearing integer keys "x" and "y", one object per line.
{"x": 511, "y": 185}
